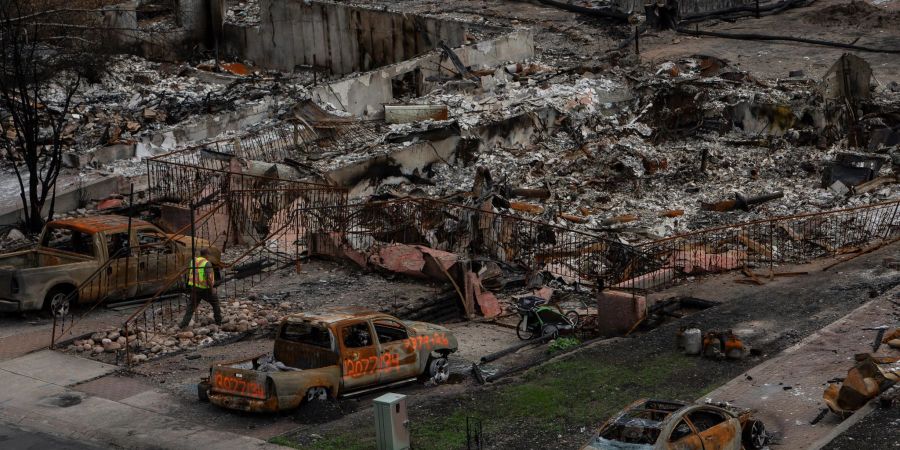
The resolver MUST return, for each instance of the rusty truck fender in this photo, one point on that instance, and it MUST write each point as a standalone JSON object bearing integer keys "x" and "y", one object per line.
{"x": 291, "y": 386}
{"x": 429, "y": 339}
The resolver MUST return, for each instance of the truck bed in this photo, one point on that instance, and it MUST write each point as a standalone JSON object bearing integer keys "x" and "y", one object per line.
{"x": 32, "y": 259}
{"x": 242, "y": 378}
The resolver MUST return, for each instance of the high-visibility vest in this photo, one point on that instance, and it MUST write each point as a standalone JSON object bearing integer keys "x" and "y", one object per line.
{"x": 197, "y": 277}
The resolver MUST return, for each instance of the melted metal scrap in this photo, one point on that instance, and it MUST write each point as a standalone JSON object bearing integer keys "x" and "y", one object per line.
{"x": 869, "y": 377}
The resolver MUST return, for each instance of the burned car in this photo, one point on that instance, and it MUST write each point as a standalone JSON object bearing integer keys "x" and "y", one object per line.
{"x": 330, "y": 354}
{"x": 659, "y": 424}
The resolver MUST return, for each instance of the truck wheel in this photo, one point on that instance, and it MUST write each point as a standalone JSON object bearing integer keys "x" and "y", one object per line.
{"x": 316, "y": 394}
{"x": 438, "y": 370}
{"x": 57, "y": 302}
{"x": 203, "y": 392}
{"x": 754, "y": 435}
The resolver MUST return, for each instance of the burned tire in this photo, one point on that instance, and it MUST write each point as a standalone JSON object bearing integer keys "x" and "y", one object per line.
{"x": 754, "y": 435}
{"x": 203, "y": 392}
{"x": 437, "y": 370}
{"x": 59, "y": 301}
{"x": 316, "y": 394}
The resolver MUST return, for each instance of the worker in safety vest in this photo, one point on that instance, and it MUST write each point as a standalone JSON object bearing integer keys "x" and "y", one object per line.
{"x": 201, "y": 279}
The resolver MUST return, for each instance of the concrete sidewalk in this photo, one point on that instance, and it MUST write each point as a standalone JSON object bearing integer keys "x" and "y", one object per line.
{"x": 787, "y": 389}
{"x": 36, "y": 396}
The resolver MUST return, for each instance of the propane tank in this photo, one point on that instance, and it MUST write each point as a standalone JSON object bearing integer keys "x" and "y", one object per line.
{"x": 693, "y": 341}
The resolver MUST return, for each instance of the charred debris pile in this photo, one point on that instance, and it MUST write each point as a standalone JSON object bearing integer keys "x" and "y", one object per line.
{"x": 639, "y": 153}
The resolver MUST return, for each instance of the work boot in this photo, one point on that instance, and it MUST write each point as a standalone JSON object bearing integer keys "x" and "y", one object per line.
{"x": 217, "y": 313}
{"x": 186, "y": 321}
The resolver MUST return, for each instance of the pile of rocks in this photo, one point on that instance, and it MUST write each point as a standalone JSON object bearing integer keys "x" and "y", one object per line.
{"x": 238, "y": 317}
{"x": 108, "y": 341}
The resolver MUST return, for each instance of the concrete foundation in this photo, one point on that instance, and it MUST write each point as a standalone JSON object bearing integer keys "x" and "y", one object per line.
{"x": 69, "y": 196}
{"x": 366, "y": 94}
{"x": 336, "y": 37}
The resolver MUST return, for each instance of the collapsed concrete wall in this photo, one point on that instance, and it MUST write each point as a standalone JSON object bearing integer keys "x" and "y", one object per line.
{"x": 366, "y": 94}
{"x": 341, "y": 38}
{"x": 123, "y": 32}
{"x": 410, "y": 164}
{"x": 72, "y": 193}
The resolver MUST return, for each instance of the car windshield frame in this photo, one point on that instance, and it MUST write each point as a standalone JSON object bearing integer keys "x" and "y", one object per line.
{"x": 283, "y": 334}
{"x": 619, "y": 429}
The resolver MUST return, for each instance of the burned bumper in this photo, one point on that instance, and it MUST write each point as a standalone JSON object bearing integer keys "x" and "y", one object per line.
{"x": 244, "y": 403}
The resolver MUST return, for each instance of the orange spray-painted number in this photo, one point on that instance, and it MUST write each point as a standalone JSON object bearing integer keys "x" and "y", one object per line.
{"x": 426, "y": 341}
{"x": 239, "y": 386}
{"x": 370, "y": 365}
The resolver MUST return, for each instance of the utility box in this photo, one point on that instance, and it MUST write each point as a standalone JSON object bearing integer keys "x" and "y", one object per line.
{"x": 391, "y": 422}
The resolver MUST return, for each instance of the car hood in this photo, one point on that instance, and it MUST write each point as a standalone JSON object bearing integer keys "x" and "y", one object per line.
{"x": 424, "y": 327}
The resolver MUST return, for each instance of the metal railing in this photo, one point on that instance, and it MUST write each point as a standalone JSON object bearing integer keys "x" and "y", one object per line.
{"x": 132, "y": 270}
{"x": 467, "y": 231}
{"x": 760, "y": 244}
{"x": 239, "y": 269}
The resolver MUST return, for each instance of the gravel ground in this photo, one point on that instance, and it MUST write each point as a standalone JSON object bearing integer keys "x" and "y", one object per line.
{"x": 878, "y": 430}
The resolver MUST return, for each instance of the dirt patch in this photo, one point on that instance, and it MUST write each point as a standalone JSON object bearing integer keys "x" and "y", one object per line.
{"x": 854, "y": 14}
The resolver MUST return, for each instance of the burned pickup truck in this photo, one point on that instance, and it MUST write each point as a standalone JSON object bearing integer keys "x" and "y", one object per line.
{"x": 330, "y": 354}
{"x": 90, "y": 259}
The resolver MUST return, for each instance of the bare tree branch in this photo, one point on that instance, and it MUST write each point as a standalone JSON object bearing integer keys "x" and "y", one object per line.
{"x": 37, "y": 57}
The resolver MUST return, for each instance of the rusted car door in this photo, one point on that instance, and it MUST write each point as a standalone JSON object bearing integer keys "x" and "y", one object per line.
{"x": 306, "y": 345}
{"x": 121, "y": 271}
{"x": 359, "y": 355}
{"x": 398, "y": 358}
{"x": 684, "y": 437}
{"x": 716, "y": 430}
{"x": 158, "y": 260}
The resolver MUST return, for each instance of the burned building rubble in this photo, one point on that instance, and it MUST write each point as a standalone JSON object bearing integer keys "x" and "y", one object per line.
{"x": 536, "y": 172}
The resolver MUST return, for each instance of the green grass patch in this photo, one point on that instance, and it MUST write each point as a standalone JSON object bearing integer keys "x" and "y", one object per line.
{"x": 582, "y": 390}
{"x": 562, "y": 344}
{"x": 284, "y": 441}
{"x": 441, "y": 434}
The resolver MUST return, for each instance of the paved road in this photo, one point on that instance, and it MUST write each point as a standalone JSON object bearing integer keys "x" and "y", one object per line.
{"x": 14, "y": 438}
